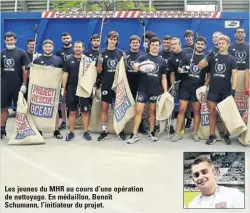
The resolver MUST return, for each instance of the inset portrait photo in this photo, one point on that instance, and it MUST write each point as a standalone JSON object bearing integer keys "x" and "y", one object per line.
{"x": 214, "y": 180}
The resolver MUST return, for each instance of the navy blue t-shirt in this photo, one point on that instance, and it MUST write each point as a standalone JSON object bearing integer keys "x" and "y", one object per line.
{"x": 53, "y": 61}
{"x": 241, "y": 54}
{"x": 11, "y": 67}
{"x": 63, "y": 53}
{"x": 176, "y": 60}
{"x": 150, "y": 83}
{"x": 196, "y": 77}
{"x": 111, "y": 59}
{"x": 93, "y": 54}
{"x": 221, "y": 68}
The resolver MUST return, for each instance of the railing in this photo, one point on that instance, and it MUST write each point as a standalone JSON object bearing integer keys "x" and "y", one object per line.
{"x": 239, "y": 5}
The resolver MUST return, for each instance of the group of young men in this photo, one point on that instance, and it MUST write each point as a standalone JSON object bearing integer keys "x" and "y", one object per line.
{"x": 183, "y": 69}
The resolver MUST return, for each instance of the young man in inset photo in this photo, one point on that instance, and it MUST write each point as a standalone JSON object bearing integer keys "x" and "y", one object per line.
{"x": 211, "y": 194}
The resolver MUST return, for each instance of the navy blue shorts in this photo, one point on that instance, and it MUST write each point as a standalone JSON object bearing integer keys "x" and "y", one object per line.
{"x": 188, "y": 96}
{"x": 142, "y": 97}
{"x": 216, "y": 97}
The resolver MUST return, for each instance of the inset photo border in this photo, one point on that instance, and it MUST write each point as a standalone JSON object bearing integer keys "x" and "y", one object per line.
{"x": 214, "y": 180}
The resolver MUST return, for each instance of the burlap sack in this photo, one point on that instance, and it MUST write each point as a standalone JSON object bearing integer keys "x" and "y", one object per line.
{"x": 25, "y": 132}
{"x": 43, "y": 95}
{"x": 240, "y": 98}
{"x": 244, "y": 138}
{"x": 204, "y": 129}
{"x": 230, "y": 115}
{"x": 124, "y": 108}
{"x": 86, "y": 77}
{"x": 164, "y": 106}
{"x": 95, "y": 122}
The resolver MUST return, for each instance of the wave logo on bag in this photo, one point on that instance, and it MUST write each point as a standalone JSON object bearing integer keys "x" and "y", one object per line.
{"x": 122, "y": 102}
{"x": 204, "y": 111}
{"x": 23, "y": 128}
{"x": 42, "y": 101}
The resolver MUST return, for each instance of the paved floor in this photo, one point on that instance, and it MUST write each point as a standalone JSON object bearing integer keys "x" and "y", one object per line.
{"x": 157, "y": 167}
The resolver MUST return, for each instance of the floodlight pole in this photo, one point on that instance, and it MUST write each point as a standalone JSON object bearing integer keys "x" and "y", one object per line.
{"x": 48, "y": 3}
{"x": 16, "y": 2}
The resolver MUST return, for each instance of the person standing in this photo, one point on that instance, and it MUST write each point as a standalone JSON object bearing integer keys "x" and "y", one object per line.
{"x": 194, "y": 79}
{"x": 223, "y": 72}
{"x": 149, "y": 89}
{"x": 65, "y": 52}
{"x": 71, "y": 71}
{"x": 48, "y": 59}
{"x": 111, "y": 57}
{"x": 14, "y": 76}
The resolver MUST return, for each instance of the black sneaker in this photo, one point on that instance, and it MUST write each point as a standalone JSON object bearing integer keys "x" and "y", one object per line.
{"x": 188, "y": 123}
{"x": 62, "y": 126}
{"x": 226, "y": 139}
{"x": 3, "y": 134}
{"x": 211, "y": 140}
{"x": 70, "y": 136}
{"x": 122, "y": 136}
{"x": 57, "y": 134}
{"x": 171, "y": 130}
{"x": 103, "y": 136}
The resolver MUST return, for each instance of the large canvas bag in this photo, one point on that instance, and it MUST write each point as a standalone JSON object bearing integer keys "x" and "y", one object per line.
{"x": 204, "y": 129}
{"x": 43, "y": 95}
{"x": 230, "y": 115}
{"x": 244, "y": 138}
{"x": 124, "y": 108}
{"x": 240, "y": 97}
{"x": 95, "y": 122}
{"x": 25, "y": 132}
{"x": 164, "y": 106}
{"x": 86, "y": 77}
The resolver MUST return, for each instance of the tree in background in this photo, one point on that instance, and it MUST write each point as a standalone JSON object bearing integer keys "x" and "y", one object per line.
{"x": 99, "y": 5}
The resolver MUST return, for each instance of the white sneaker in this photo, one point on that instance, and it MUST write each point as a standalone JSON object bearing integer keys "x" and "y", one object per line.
{"x": 133, "y": 139}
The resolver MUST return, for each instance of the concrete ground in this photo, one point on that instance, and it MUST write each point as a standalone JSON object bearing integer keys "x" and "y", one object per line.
{"x": 157, "y": 167}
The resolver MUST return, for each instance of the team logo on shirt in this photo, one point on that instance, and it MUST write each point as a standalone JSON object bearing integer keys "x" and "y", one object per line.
{"x": 65, "y": 57}
{"x": 104, "y": 92}
{"x": 9, "y": 64}
{"x": 112, "y": 65}
{"x": 194, "y": 71}
{"x": 130, "y": 64}
{"x": 220, "y": 69}
{"x": 240, "y": 55}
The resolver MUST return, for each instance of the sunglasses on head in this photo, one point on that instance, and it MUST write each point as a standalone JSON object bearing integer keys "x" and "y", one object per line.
{"x": 203, "y": 172}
